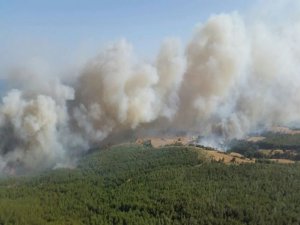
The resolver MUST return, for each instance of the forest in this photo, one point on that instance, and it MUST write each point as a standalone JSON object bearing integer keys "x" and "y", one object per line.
{"x": 135, "y": 184}
{"x": 288, "y": 144}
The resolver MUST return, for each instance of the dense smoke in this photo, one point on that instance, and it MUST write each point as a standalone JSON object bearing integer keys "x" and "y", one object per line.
{"x": 232, "y": 78}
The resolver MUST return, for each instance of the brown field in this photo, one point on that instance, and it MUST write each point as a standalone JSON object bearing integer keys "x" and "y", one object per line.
{"x": 255, "y": 139}
{"x": 270, "y": 152}
{"x": 211, "y": 155}
{"x": 157, "y": 142}
{"x": 284, "y": 130}
{"x": 234, "y": 158}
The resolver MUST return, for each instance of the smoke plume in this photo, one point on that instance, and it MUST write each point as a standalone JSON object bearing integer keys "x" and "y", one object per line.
{"x": 232, "y": 78}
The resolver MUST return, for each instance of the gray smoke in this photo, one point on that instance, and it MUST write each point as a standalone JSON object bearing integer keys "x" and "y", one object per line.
{"x": 233, "y": 77}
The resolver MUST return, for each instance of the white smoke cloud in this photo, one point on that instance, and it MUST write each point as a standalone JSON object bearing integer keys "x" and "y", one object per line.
{"x": 234, "y": 76}
{"x": 30, "y": 130}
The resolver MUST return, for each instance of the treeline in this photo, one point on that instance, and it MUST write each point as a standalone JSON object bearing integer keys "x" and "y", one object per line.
{"x": 289, "y": 143}
{"x": 282, "y": 141}
{"x": 141, "y": 185}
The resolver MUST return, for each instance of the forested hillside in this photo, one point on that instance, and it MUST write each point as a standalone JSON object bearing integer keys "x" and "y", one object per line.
{"x": 131, "y": 184}
{"x": 272, "y": 146}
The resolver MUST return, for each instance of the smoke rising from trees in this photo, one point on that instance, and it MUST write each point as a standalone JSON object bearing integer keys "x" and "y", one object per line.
{"x": 232, "y": 78}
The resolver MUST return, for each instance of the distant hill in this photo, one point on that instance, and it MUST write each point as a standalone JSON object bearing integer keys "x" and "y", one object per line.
{"x": 138, "y": 184}
{"x": 270, "y": 145}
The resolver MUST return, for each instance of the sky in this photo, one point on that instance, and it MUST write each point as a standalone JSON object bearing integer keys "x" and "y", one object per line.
{"x": 82, "y": 27}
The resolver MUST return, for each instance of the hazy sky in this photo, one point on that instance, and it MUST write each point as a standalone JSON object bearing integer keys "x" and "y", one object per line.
{"x": 84, "y": 25}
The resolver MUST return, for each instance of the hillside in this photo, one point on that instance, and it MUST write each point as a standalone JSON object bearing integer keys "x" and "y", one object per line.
{"x": 135, "y": 184}
{"x": 270, "y": 145}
